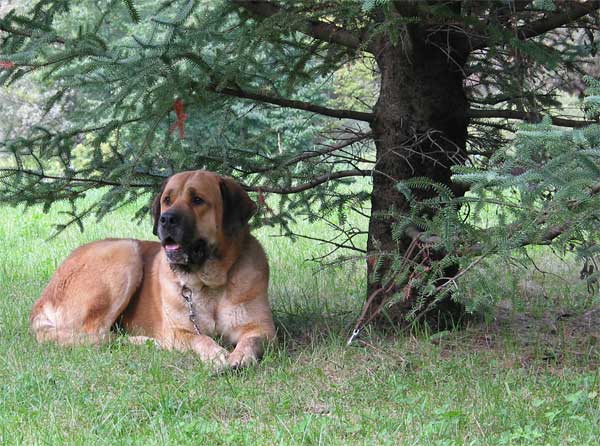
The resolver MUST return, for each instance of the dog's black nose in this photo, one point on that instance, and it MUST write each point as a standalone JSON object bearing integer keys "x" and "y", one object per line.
{"x": 169, "y": 219}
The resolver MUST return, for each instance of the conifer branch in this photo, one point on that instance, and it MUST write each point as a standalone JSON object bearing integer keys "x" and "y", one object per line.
{"x": 476, "y": 249}
{"x": 44, "y": 176}
{"x": 24, "y": 33}
{"x": 264, "y": 189}
{"x": 310, "y": 184}
{"x": 291, "y": 103}
{"x": 573, "y": 11}
{"x": 328, "y": 149}
{"x": 85, "y": 130}
{"x": 316, "y": 29}
{"x": 515, "y": 114}
{"x": 236, "y": 91}
{"x": 554, "y": 231}
{"x": 335, "y": 244}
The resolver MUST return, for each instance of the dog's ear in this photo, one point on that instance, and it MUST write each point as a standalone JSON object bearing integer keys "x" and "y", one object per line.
{"x": 155, "y": 207}
{"x": 238, "y": 208}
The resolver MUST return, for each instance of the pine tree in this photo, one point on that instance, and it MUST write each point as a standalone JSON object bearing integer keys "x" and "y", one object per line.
{"x": 247, "y": 88}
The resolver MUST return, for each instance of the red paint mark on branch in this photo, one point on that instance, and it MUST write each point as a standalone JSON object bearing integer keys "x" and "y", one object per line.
{"x": 181, "y": 117}
{"x": 6, "y": 65}
{"x": 263, "y": 207}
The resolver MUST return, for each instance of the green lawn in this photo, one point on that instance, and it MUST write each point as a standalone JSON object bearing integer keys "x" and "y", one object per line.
{"x": 479, "y": 386}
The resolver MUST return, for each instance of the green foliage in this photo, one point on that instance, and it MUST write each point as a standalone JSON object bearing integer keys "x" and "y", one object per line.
{"x": 133, "y": 12}
{"x": 544, "y": 185}
{"x": 591, "y": 102}
{"x": 370, "y": 5}
{"x": 261, "y": 83}
{"x": 542, "y": 189}
{"x": 126, "y": 76}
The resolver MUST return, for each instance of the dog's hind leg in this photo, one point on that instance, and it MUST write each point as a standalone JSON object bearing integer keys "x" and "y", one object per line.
{"x": 88, "y": 293}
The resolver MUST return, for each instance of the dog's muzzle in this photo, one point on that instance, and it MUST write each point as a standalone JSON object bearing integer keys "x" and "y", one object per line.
{"x": 177, "y": 237}
{"x": 195, "y": 253}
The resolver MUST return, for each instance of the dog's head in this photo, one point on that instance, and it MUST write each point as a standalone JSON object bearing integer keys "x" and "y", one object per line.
{"x": 195, "y": 213}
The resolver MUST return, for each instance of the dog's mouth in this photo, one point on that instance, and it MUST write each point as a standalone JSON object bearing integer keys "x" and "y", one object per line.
{"x": 171, "y": 245}
{"x": 179, "y": 253}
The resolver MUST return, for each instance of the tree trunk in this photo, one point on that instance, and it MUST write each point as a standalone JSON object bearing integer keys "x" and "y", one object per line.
{"x": 420, "y": 130}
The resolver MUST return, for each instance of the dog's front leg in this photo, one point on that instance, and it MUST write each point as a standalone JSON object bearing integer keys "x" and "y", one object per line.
{"x": 205, "y": 347}
{"x": 209, "y": 351}
{"x": 250, "y": 346}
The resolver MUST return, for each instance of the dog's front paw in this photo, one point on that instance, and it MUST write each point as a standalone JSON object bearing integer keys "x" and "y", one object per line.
{"x": 218, "y": 360}
{"x": 141, "y": 340}
{"x": 239, "y": 359}
{"x": 211, "y": 353}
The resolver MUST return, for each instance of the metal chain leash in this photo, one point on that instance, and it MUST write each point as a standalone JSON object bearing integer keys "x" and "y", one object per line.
{"x": 187, "y": 295}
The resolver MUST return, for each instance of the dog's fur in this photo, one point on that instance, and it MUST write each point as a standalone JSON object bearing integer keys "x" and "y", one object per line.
{"x": 206, "y": 246}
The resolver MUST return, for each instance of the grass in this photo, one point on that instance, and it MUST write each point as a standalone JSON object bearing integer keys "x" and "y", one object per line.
{"x": 479, "y": 386}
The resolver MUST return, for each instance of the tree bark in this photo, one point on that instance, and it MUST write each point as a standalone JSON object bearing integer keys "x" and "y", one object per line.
{"x": 420, "y": 130}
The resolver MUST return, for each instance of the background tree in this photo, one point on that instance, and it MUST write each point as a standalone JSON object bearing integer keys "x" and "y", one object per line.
{"x": 252, "y": 87}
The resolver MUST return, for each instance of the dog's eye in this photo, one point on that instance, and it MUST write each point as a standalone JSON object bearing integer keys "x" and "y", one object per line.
{"x": 197, "y": 200}
{"x": 167, "y": 200}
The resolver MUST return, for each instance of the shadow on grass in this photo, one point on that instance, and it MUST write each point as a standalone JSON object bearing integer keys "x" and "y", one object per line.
{"x": 308, "y": 322}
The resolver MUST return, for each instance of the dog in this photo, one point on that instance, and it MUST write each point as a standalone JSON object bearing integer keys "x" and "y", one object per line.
{"x": 208, "y": 277}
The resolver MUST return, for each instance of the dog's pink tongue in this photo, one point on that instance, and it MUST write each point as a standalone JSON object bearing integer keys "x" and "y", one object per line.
{"x": 172, "y": 247}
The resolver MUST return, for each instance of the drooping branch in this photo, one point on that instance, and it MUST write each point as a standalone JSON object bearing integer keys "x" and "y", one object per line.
{"x": 327, "y": 149}
{"x": 5, "y": 172}
{"x": 573, "y": 11}
{"x": 515, "y": 114}
{"x": 316, "y": 29}
{"x": 312, "y": 183}
{"x": 72, "y": 133}
{"x": 555, "y": 231}
{"x": 544, "y": 238}
{"x": 494, "y": 125}
{"x": 238, "y": 92}
{"x": 23, "y": 33}
{"x": 291, "y": 103}
{"x": 336, "y": 245}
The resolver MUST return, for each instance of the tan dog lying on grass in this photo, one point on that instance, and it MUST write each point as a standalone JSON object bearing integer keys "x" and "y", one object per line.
{"x": 207, "y": 277}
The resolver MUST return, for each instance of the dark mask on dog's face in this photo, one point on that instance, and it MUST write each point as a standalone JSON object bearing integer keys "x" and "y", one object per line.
{"x": 194, "y": 213}
{"x": 181, "y": 244}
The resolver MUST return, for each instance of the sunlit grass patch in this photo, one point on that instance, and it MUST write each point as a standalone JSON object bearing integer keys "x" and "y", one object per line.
{"x": 481, "y": 385}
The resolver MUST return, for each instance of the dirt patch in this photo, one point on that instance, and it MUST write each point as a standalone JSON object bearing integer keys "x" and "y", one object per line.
{"x": 553, "y": 335}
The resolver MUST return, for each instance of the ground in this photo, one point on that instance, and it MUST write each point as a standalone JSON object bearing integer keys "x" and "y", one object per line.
{"x": 527, "y": 373}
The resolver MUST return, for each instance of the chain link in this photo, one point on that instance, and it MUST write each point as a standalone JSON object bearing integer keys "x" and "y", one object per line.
{"x": 187, "y": 295}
